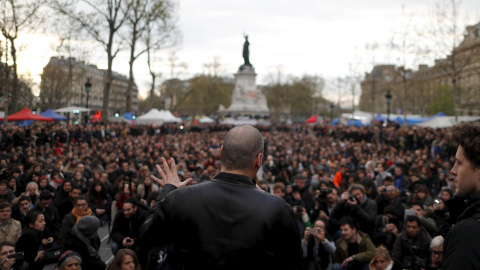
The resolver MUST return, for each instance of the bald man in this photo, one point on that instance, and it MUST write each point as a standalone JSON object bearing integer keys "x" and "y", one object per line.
{"x": 225, "y": 223}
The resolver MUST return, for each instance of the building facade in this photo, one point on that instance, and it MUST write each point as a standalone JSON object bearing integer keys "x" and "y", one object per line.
{"x": 63, "y": 84}
{"x": 452, "y": 84}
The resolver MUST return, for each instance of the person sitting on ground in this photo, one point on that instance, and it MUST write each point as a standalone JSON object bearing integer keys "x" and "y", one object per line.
{"x": 126, "y": 225}
{"x": 412, "y": 235}
{"x": 20, "y": 211}
{"x": 354, "y": 249}
{"x": 5, "y": 192}
{"x": 30, "y": 191}
{"x": 80, "y": 210}
{"x": 32, "y": 238}
{"x": 436, "y": 246}
{"x": 83, "y": 239}
{"x": 69, "y": 260}
{"x": 6, "y": 249}
{"x": 318, "y": 247}
{"x": 381, "y": 260}
{"x": 10, "y": 229}
{"x": 125, "y": 259}
{"x": 51, "y": 218}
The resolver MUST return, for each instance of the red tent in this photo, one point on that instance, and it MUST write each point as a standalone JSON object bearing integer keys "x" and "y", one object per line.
{"x": 312, "y": 119}
{"x": 26, "y": 114}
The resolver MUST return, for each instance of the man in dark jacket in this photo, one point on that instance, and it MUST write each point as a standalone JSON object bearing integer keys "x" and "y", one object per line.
{"x": 414, "y": 235}
{"x": 225, "y": 223}
{"x": 461, "y": 247}
{"x": 358, "y": 206}
{"x": 126, "y": 225}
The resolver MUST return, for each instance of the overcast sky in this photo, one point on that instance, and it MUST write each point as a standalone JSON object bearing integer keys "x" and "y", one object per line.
{"x": 301, "y": 36}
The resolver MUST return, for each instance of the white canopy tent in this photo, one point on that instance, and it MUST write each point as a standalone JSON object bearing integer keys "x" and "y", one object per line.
{"x": 72, "y": 109}
{"x": 157, "y": 118}
{"x": 447, "y": 121}
{"x": 169, "y": 117}
{"x": 206, "y": 120}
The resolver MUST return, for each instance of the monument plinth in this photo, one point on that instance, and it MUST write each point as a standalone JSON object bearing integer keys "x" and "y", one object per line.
{"x": 247, "y": 99}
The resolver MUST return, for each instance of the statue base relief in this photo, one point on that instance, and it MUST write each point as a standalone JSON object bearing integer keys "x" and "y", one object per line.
{"x": 248, "y": 102}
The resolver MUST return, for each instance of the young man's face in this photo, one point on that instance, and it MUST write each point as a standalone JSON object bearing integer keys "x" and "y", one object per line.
{"x": 467, "y": 177}
{"x": 25, "y": 205}
{"x": 5, "y": 213}
{"x": 347, "y": 232}
{"x": 413, "y": 228}
{"x": 278, "y": 192}
{"x": 5, "y": 251}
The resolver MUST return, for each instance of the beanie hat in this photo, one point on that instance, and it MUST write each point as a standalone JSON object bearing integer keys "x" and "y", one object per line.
{"x": 88, "y": 225}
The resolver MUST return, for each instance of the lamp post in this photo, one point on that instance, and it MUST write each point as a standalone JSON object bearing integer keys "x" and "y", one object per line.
{"x": 331, "y": 112}
{"x": 88, "y": 88}
{"x": 388, "y": 97}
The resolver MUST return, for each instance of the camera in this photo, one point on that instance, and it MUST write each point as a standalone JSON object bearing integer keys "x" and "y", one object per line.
{"x": 325, "y": 191}
{"x": 387, "y": 189}
{"x": 314, "y": 231}
{"x": 352, "y": 198}
{"x": 419, "y": 257}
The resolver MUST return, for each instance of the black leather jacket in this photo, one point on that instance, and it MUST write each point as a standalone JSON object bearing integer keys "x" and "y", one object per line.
{"x": 225, "y": 223}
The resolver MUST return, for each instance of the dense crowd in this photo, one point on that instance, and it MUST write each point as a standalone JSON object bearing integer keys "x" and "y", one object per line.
{"x": 363, "y": 196}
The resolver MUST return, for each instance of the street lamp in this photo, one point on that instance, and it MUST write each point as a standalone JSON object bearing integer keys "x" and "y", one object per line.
{"x": 388, "y": 97}
{"x": 331, "y": 112}
{"x": 88, "y": 88}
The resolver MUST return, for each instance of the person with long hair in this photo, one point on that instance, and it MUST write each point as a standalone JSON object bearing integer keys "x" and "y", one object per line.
{"x": 101, "y": 200}
{"x": 381, "y": 259}
{"x": 126, "y": 259}
{"x": 318, "y": 247}
{"x": 31, "y": 239}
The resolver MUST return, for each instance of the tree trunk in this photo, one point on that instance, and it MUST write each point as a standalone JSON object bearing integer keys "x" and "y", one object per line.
{"x": 128, "y": 106}
{"x": 108, "y": 83}
{"x": 13, "y": 107}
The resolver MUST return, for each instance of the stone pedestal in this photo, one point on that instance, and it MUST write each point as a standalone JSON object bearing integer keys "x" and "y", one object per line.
{"x": 247, "y": 100}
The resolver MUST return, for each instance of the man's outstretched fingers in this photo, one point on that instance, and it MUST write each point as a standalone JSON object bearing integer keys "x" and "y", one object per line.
{"x": 173, "y": 166}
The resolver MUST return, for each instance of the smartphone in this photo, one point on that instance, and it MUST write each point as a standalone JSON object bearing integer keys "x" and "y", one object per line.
{"x": 16, "y": 256}
{"x": 18, "y": 259}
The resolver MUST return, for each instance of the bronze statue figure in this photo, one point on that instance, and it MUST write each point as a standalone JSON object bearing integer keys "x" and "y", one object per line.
{"x": 246, "y": 52}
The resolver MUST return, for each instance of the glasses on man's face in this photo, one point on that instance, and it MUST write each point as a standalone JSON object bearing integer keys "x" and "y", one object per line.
{"x": 81, "y": 204}
{"x": 437, "y": 253}
{"x": 5, "y": 211}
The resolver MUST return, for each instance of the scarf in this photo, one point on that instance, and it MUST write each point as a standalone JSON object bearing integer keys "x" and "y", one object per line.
{"x": 79, "y": 215}
{"x": 91, "y": 250}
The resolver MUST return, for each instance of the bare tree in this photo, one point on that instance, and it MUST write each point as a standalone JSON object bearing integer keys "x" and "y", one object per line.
{"x": 152, "y": 21}
{"x": 17, "y": 16}
{"x": 404, "y": 43}
{"x": 101, "y": 21}
{"x": 445, "y": 30}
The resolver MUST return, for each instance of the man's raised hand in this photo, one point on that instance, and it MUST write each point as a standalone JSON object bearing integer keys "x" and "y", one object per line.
{"x": 169, "y": 174}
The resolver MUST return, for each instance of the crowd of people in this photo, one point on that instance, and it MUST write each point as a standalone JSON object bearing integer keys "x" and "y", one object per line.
{"x": 363, "y": 197}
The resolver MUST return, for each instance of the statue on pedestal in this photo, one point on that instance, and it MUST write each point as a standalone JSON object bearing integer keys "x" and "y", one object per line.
{"x": 246, "y": 53}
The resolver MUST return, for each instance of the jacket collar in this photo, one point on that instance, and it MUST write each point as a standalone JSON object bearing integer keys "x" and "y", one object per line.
{"x": 235, "y": 179}
{"x": 344, "y": 244}
{"x": 461, "y": 207}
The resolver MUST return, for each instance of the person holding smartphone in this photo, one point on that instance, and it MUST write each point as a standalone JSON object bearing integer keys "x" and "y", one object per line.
{"x": 9, "y": 259}
{"x": 31, "y": 239}
{"x": 318, "y": 247}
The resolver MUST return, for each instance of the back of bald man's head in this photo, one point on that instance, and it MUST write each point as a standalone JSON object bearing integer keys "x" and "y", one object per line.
{"x": 240, "y": 147}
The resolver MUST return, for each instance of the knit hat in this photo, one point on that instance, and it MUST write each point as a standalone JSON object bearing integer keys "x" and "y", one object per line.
{"x": 88, "y": 225}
